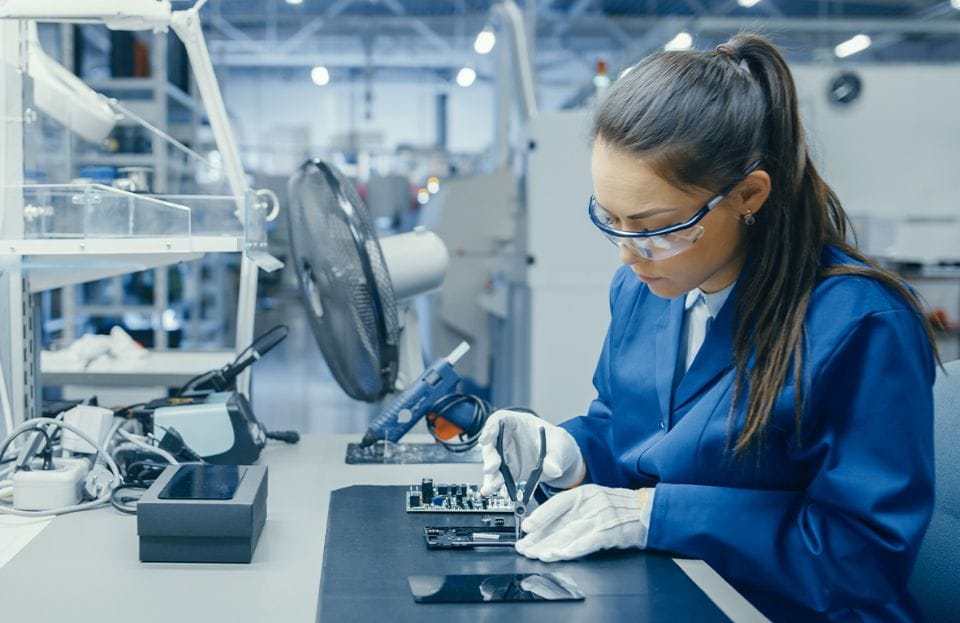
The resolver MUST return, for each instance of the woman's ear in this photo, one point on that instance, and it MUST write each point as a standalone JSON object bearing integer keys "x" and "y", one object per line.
{"x": 753, "y": 191}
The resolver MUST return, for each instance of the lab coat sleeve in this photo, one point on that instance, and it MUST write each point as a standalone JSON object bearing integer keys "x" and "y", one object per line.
{"x": 592, "y": 431}
{"x": 851, "y": 537}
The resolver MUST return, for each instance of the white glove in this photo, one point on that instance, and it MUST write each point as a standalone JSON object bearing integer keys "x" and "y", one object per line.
{"x": 563, "y": 464}
{"x": 589, "y": 518}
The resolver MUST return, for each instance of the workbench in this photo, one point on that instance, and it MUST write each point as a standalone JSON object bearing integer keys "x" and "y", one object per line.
{"x": 85, "y": 565}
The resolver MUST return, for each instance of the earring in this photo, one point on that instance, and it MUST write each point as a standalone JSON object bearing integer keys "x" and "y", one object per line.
{"x": 749, "y": 219}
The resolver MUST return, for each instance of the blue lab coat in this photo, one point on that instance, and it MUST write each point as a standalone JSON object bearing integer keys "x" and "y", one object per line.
{"x": 829, "y": 521}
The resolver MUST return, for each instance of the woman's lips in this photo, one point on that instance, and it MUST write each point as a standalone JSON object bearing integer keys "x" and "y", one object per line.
{"x": 647, "y": 280}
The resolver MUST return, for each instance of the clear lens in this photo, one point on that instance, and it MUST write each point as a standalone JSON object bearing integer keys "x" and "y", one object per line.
{"x": 659, "y": 247}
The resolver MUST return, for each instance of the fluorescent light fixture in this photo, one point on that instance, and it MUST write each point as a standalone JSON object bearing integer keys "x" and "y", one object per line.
{"x": 295, "y": 2}
{"x": 851, "y": 46}
{"x": 466, "y": 77}
{"x": 485, "y": 41}
{"x": 683, "y": 41}
{"x": 748, "y": 3}
{"x": 955, "y": 4}
{"x": 320, "y": 75}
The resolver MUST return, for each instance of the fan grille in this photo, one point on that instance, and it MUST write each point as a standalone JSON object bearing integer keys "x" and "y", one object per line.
{"x": 344, "y": 281}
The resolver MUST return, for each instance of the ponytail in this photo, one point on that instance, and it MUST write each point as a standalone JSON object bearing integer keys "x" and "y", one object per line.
{"x": 802, "y": 214}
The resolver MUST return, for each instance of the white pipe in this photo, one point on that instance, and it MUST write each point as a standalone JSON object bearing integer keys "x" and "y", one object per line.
{"x": 526, "y": 89}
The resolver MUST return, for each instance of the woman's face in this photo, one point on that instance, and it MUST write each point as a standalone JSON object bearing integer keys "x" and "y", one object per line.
{"x": 638, "y": 198}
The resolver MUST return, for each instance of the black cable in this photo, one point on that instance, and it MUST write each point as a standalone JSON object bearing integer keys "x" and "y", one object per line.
{"x": 186, "y": 386}
{"x": 123, "y": 504}
{"x": 219, "y": 378}
{"x": 471, "y": 434}
{"x": 47, "y": 448}
{"x": 127, "y": 411}
{"x": 286, "y": 436}
{"x": 138, "y": 472}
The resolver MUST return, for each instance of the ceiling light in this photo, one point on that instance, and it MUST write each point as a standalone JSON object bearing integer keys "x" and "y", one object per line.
{"x": 295, "y": 2}
{"x": 851, "y": 46}
{"x": 748, "y": 3}
{"x": 466, "y": 76}
{"x": 485, "y": 41}
{"x": 320, "y": 75}
{"x": 683, "y": 41}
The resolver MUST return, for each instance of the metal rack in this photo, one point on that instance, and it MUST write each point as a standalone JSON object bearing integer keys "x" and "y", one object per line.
{"x": 176, "y": 112}
{"x": 59, "y": 234}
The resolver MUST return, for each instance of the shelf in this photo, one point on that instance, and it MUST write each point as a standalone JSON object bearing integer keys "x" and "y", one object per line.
{"x": 74, "y": 233}
{"x": 170, "y": 368}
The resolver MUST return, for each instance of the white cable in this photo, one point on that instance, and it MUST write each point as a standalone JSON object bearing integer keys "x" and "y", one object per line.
{"x": 5, "y": 403}
{"x": 117, "y": 423}
{"x": 103, "y": 499}
{"x": 144, "y": 446}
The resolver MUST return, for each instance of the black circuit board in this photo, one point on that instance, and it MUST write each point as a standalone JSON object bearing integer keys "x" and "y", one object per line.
{"x": 469, "y": 537}
{"x": 430, "y": 497}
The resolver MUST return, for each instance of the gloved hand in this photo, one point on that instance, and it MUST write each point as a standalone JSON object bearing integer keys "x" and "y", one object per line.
{"x": 563, "y": 464}
{"x": 580, "y": 521}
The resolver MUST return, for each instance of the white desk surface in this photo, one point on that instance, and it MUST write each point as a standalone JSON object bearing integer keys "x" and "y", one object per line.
{"x": 84, "y": 566}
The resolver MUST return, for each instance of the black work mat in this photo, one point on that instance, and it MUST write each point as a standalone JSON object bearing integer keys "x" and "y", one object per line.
{"x": 372, "y": 545}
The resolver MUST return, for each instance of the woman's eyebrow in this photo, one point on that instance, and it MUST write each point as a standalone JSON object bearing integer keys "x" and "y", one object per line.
{"x": 648, "y": 213}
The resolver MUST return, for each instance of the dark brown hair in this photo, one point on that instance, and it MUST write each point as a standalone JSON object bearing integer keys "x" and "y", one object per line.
{"x": 700, "y": 118}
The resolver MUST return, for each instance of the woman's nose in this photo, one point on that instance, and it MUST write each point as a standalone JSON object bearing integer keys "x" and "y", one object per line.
{"x": 627, "y": 255}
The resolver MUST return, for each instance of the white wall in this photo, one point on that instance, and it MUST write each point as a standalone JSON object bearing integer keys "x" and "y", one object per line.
{"x": 895, "y": 151}
{"x": 573, "y": 264}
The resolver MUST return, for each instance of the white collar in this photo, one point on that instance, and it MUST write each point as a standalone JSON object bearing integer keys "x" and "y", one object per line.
{"x": 714, "y": 301}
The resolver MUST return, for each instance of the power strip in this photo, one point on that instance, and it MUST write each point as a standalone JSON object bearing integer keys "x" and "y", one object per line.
{"x": 40, "y": 490}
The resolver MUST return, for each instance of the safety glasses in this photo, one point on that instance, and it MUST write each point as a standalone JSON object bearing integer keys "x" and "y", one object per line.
{"x": 663, "y": 242}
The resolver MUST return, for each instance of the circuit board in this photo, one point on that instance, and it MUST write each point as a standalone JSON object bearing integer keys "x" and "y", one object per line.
{"x": 444, "y": 537}
{"x": 406, "y": 453}
{"x": 428, "y": 497}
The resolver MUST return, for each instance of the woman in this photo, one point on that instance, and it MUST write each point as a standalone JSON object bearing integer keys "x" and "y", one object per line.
{"x": 764, "y": 391}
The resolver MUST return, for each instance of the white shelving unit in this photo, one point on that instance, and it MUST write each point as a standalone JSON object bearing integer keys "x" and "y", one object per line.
{"x": 176, "y": 112}
{"x": 58, "y": 234}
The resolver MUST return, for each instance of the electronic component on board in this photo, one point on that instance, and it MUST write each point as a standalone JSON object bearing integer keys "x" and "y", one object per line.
{"x": 469, "y": 537}
{"x": 431, "y": 497}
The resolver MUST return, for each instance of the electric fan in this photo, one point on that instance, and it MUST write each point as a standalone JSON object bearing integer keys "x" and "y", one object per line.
{"x": 354, "y": 289}
{"x": 344, "y": 282}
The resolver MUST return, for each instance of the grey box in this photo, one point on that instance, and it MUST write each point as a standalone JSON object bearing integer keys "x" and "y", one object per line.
{"x": 203, "y": 530}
